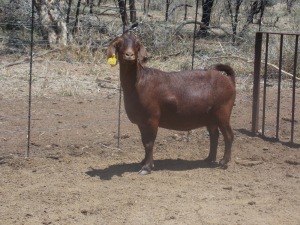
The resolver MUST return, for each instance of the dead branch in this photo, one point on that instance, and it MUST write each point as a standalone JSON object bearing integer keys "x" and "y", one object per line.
{"x": 252, "y": 61}
{"x": 185, "y": 23}
{"x": 27, "y": 59}
{"x": 177, "y": 6}
{"x": 165, "y": 57}
{"x": 226, "y": 32}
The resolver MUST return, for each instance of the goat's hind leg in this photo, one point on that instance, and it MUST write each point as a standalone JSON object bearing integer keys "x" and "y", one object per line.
{"x": 214, "y": 139}
{"x": 228, "y": 139}
{"x": 148, "y": 133}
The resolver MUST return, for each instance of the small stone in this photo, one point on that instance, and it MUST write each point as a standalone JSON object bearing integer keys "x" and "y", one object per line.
{"x": 176, "y": 137}
{"x": 251, "y": 203}
{"x": 125, "y": 136}
{"x": 48, "y": 146}
{"x": 84, "y": 212}
{"x": 227, "y": 188}
{"x": 171, "y": 218}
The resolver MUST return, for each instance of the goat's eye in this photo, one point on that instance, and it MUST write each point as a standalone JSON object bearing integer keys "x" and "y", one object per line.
{"x": 119, "y": 45}
{"x": 138, "y": 46}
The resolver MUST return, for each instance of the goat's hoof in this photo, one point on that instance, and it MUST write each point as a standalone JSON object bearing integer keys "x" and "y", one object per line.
{"x": 223, "y": 164}
{"x": 144, "y": 172}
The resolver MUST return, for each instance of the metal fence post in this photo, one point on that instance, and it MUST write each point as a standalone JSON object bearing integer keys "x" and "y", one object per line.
{"x": 256, "y": 82}
{"x": 294, "y": 88}
{"x": 279, "y": 86}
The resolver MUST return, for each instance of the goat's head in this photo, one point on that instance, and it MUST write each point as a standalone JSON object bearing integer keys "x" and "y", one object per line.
{"x": 127, "y": 48}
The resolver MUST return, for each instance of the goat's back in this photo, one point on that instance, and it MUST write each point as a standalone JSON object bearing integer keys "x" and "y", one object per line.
{"x": 199, "y": 85}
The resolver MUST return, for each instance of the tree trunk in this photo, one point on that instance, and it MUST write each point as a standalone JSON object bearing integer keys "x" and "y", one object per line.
{"x": 75, "y": 28}
{"x": 132, "y": 11}
{"x": 206, "y": 14}
{"x": 167, "y": 9}
{"x": 146, "y": 7}
{"x": 185, "y": 10}
{"x": 234, "y": 14}
{"x": 91, "y": 3}
{"x": 52, "y": 17}
{"x": 69, "y": 11}
{"x": 255, "y": 8}
{"x": 122, "y": 8}
{"x": 289, "y": 5}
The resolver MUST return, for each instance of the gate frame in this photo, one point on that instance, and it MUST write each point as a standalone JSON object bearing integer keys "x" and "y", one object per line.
{"x": 256, "y": 82}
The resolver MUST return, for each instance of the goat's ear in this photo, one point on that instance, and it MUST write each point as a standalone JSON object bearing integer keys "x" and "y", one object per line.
{"x": 112, "y": 48}
{"x": 142, "y": 55}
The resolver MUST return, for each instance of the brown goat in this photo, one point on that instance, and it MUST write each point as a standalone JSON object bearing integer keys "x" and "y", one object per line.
{"x": 174, "y": 100}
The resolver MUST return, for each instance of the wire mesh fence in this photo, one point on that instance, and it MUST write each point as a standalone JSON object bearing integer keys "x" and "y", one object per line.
{"x": 72, "y": 84}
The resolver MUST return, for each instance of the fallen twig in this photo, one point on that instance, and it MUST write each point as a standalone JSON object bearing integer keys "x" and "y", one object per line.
{"x": 105, "y": 146}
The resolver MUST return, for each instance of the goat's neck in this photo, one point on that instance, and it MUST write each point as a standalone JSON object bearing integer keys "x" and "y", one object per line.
{"x": 128, "y": 76}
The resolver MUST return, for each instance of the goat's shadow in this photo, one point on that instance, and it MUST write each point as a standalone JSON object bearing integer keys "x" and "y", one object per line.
{"x": 165, "y": 164}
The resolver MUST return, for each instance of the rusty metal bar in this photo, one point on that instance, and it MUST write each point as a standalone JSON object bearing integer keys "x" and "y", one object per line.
{"x": 294, "y": 88}
{"x": 265, "y": 85}
{"x": 256, "y": 81}
{"x": 30, "y": 81}
{"x": 279, "y": 86}
{"x": 278, "y": 33}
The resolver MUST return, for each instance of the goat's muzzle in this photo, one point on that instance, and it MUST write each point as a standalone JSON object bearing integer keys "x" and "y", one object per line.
{"x": 129, "y": 55}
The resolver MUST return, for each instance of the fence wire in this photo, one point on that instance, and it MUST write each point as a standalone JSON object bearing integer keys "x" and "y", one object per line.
{"x": 24, "y": 35}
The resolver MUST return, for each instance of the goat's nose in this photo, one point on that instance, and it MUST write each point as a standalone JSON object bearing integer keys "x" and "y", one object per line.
{"x": 129, "y": 53}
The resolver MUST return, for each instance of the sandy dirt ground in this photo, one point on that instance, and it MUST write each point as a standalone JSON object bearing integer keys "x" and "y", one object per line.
{"x": 76, "y": 174}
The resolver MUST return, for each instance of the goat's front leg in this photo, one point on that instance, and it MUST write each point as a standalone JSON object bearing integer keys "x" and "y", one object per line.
{"x": 148, "y": 133}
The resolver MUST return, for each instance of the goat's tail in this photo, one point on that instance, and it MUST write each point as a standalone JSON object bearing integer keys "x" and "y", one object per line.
{"x": 226, "y": 69}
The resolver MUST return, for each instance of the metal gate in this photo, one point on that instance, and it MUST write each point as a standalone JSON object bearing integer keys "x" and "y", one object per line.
{"x": 261, "y": 67}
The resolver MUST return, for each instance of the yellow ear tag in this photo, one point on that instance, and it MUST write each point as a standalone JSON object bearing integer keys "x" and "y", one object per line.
{"x": 112, "y": 60}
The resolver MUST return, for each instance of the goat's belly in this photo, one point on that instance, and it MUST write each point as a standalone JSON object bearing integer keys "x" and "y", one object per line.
{"x": 183, "y": 123}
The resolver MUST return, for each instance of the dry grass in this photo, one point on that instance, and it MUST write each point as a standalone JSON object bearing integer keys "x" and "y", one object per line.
{"x": 169, "y": 49}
